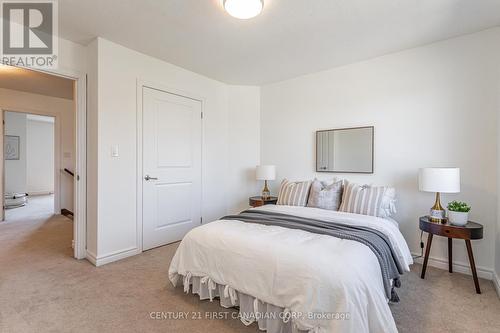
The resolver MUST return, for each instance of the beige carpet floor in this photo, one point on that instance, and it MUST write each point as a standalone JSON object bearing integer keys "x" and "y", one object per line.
{"x": 42, "y": 289}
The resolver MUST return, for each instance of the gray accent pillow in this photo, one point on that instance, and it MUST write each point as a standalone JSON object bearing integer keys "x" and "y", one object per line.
{"x": 324, "y": 195}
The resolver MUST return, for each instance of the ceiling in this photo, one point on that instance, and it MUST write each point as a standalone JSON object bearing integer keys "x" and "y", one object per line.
{"x": 35, "y": 82}
{"x": 289, "y": 38}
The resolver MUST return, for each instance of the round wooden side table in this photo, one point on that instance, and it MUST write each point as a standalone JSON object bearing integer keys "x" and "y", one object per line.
{"x": 470, "y": 231}
{"x": 259, "y": 201}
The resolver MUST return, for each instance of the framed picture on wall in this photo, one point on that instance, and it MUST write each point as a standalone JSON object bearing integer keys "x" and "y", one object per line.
{"x": 11, "y": 147}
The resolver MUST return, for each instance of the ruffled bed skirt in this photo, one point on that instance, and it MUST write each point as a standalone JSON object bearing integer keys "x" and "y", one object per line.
{"x": 270, "y": 318}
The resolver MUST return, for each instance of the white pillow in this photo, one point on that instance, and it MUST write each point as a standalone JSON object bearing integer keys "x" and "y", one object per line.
{"x": 388, "y": 206}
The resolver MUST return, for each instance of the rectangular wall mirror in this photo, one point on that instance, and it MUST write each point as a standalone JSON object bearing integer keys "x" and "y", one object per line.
{"x": 345, "y": 150}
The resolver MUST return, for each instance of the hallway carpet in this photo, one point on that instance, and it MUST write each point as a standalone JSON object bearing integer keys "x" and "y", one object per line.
{"x": 42, "y": 289}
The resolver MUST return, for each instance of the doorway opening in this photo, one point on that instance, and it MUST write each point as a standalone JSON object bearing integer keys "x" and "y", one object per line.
{"x": 42, "y": 148}
{"x": 29, "y": 165}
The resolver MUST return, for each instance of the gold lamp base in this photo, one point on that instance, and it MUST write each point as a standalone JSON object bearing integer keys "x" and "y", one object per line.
{"x": 266, "y": 194}
{"x": 437, "y": 213}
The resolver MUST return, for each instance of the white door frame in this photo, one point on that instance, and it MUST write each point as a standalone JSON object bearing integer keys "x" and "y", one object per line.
{"x": 80, "y": 181}
{"x": 141, "y": 83}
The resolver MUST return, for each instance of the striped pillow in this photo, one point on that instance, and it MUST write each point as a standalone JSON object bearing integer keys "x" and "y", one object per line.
{"x": 362, "y": 199}
{"x": 293, "y": 193}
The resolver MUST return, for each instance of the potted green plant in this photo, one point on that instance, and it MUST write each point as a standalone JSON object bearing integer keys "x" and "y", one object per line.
{"x": 458, "y": 213}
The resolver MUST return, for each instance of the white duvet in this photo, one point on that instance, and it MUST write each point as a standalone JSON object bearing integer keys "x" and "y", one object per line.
{"x": 313, "y": 276}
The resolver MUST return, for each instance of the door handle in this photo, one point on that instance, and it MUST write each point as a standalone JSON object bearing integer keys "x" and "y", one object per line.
{"x": 147, "y": 177}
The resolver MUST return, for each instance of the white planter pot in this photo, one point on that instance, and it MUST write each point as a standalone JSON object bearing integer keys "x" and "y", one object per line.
{"x": 458, "y": 218}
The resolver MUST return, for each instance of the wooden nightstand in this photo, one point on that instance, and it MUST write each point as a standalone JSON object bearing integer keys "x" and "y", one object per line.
{"x": 468, "y": 232}
{"x": 258, "y": 201}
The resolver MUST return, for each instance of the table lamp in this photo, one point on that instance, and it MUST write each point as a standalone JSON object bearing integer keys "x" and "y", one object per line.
{"x": 439, "y": 180}
{"x": 265, "y": 173}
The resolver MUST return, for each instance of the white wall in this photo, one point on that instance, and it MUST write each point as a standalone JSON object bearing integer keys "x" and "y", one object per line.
{"x": 64, "y": 111}
{"x": 92, "y": 147}
{"x": 39, "y": 157}
{"x": 33, "y": 173}
{"x": 497, "y": 238}
{"x": 243, "y": 146}
{"x": 15, "y": 170}
{"x": 431, "y": 106}
{"x": 113, "y": 111}
{"x": 72, "y": 57}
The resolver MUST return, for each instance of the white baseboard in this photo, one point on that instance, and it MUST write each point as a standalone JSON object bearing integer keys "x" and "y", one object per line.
{"x": 111, "y": 257}
{"x": 496, "y": 283}
{"x": 91, "y": 257}
{"x": 458, "y": 267}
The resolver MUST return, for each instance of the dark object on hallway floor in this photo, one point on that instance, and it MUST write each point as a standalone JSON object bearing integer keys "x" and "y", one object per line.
{"x": 67, "y": 213}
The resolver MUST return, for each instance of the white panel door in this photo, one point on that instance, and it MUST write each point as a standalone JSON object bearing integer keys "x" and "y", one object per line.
{"x": 171, "y": 167}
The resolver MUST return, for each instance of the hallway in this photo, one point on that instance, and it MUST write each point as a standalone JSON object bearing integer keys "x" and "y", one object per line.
{"x": 33, "y": 231}
{"x": 33, "y": 243}
{"x": 37, "y": 207}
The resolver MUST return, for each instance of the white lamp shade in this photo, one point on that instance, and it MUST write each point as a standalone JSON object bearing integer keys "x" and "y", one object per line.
{"x": 444, "y": 180}
{"x": 266, "y": 172}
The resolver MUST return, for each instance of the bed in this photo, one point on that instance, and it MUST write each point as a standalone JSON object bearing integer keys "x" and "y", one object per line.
{"x": 291, "y": 280}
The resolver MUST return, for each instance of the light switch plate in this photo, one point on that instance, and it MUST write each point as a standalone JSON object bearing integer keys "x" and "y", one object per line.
{"x": 115, "y": 151}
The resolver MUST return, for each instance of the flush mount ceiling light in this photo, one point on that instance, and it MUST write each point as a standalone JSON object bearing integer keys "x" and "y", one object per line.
{"x": 243, "y": 9}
